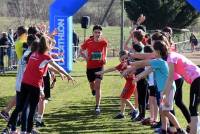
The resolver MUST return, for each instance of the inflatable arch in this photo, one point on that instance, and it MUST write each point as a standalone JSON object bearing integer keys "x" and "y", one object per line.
{"x": 61, "y": 12}
{"x": 195, "y": 4}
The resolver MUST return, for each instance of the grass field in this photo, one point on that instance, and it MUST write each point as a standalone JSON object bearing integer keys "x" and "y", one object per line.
{"x": 72, "y": 107}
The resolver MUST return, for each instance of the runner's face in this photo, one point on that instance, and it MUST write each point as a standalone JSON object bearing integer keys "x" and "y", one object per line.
{"x": 97, "y": 33}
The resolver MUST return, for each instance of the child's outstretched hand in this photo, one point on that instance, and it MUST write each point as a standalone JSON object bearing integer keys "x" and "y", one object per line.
{"x": 141, "y": 19}
{"x": 62, "y": 76}
{"x": 72, "y": 79}
{"x": 129, "y": 70}
{"x": 54, "y": 33}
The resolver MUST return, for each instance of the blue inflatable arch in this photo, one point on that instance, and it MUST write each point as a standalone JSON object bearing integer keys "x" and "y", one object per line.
{"x": 61, "y": 12}
{"x": 195, "y": 4}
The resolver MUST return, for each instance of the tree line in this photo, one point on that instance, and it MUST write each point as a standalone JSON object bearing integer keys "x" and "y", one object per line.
{"x": 159, "y": 13}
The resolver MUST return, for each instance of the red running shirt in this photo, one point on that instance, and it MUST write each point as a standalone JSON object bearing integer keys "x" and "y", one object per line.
{"x": 96, "y": 52}
{"x": 35, "y": 69}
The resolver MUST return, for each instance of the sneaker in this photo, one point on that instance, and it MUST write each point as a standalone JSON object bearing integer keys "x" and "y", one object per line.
{"x": 134, "y": 114}
{"x": 158, "y": 130}
{"x": 119, "y": 116}
{"x": 40, "y": 124}
{"x": 6, "y": 131}
{"x": 97, "y": 110}
{"x": 139, "y": 118}
{"x": 188, "y": 129}
{"x": 4, "y": 115}
{"x": 93, "y": 92}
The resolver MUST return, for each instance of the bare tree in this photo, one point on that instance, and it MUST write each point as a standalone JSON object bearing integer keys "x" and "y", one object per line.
{"x": 96, "y": 10}
{"x": 28, "y": 10}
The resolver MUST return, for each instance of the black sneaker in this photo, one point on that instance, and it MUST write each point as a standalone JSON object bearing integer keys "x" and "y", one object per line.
{"x": 93, "y": 92}
{"x": 40, "y": 124}
{"x": 4, "y": 115}
{"x": 119, "y": 116}
{"x": 188, "y": 129}
{"x": 97, "y": 110}
{"x": 139, "y": 118}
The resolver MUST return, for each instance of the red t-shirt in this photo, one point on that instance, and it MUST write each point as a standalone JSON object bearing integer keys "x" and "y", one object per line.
{"x": 35, "y": 69}
{"x": 96, "y": 52}
{"x": 121, "y": 67}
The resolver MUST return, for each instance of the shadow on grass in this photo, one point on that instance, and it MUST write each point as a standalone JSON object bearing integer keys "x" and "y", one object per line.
{"x": 3, "y": 102}
{"x": 81, "y": 118}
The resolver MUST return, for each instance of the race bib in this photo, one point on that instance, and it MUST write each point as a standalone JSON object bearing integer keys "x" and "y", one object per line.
{"x": 96, "y": 56}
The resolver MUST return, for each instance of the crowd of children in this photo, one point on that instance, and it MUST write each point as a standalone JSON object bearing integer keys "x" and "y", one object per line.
{"x": 153, "y": 71}
{"x": 169, "y": 70}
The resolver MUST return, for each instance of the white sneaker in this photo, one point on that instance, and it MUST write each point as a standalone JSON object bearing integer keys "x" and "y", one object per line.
{"x": 97, "y": 111}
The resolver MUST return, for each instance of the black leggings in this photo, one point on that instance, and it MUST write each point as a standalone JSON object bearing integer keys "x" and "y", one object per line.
{"x": 179, "y": 101}
{"x": 194, "y": 97}
{"x": 142, "y": 87}
{"x": 30, "y": 95}
{"x": 46, "y": 80}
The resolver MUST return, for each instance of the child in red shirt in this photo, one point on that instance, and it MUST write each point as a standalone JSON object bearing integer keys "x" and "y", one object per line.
{"x": 128, "y": 89}
{"x": 32, "y": 84}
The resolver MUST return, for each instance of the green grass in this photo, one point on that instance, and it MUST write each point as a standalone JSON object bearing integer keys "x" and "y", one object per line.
{"x": 72, "y": 107}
